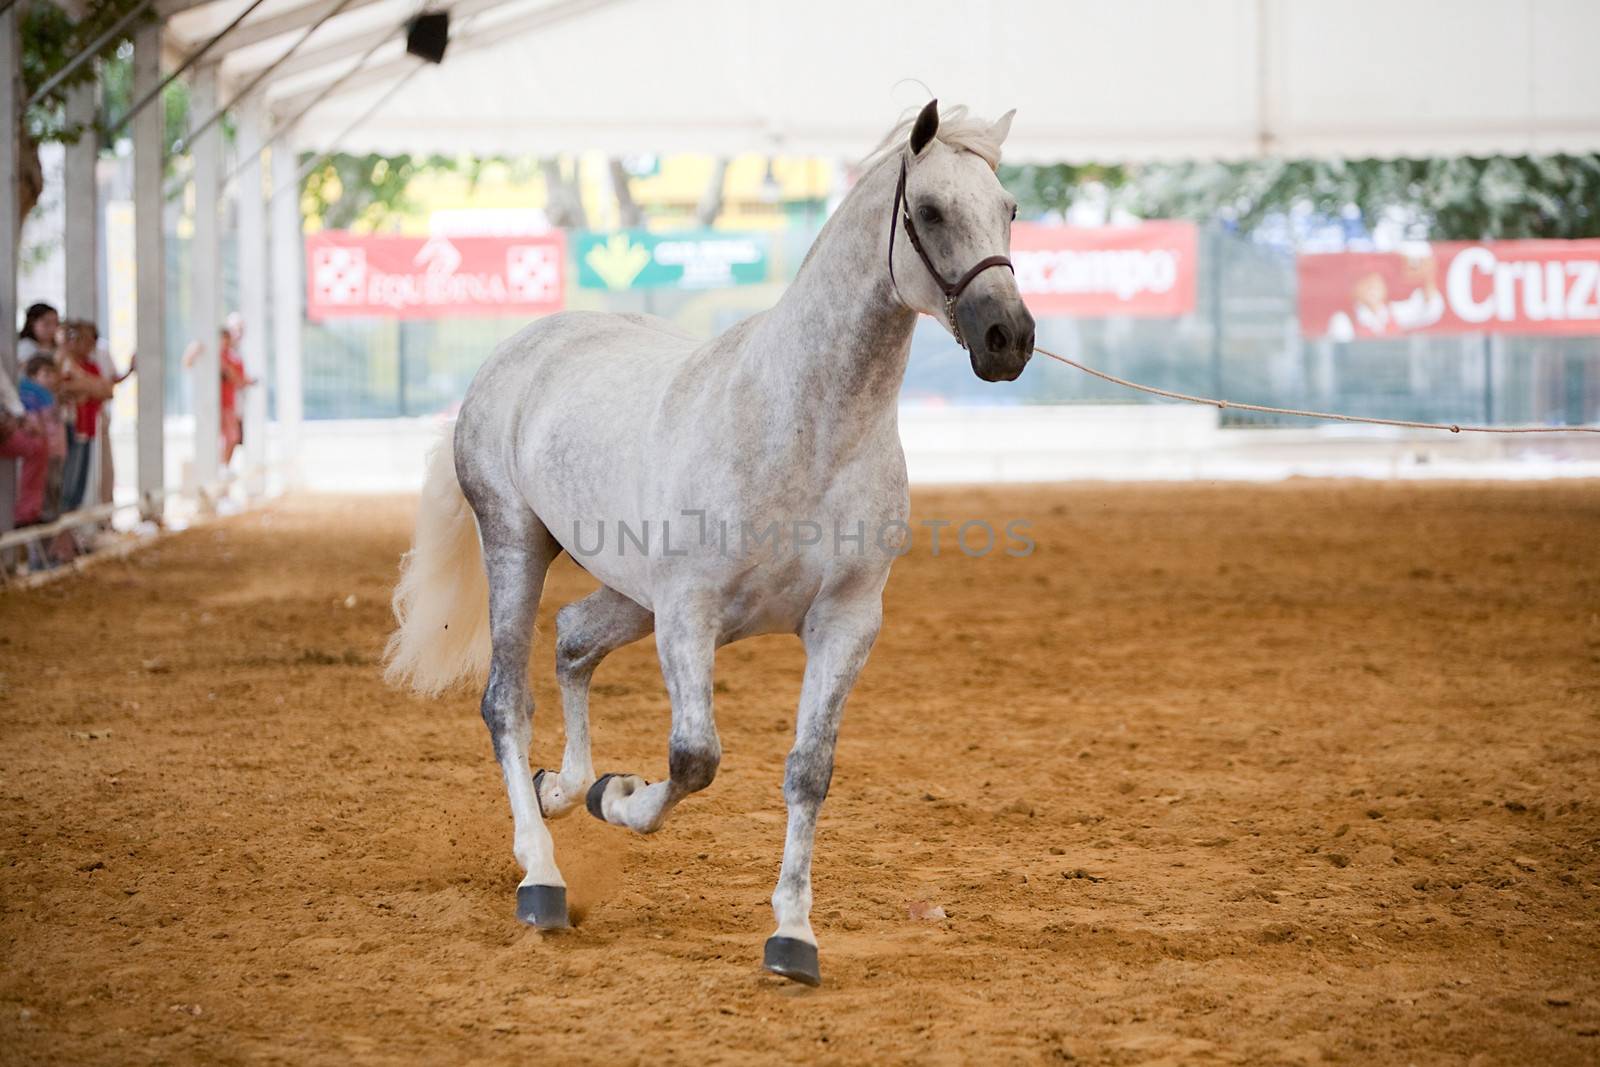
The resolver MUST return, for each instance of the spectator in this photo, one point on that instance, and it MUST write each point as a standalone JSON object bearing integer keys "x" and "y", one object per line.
{"x": 18, "y": 442}
{"x": 233, "y": 381}
{"x": 41, "y": 381}
{"x": 38, "y": 336}
{"x": 88, "y": 388}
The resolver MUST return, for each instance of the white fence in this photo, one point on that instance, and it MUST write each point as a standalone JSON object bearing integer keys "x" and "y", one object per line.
{"x": 952, "y": 445}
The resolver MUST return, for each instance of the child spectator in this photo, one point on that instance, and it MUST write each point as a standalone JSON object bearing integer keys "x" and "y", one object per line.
{"x": 87, "y": 387}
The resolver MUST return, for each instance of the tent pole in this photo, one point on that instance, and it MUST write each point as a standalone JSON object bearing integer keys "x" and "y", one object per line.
{"x": 252, "y": 260}
{"x": 80, "y": 242}
{"x": 82, "y": 203}
{"x": 205, "y": 286}
{"x": 287, "y": 294}
{"x": 10, "y": 112}
{"x": 149, "y": 152}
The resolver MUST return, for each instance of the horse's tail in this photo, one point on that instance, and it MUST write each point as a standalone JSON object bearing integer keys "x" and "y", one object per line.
{"x": 441, "y": 602}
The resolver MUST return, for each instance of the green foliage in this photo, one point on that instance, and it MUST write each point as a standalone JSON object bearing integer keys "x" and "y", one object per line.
{"x": 116, "y": 96}
{"x": 1524, "y": 196}
{"x": 364, "y": 192}
{"x": 1448, "y": 199}
{"x": 51, "y": 38}
{"x": 1041, "y": 190}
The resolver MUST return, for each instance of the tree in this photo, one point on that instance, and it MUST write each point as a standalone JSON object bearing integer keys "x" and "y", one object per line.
{"x": 50, "y": 39}
{"x": 363, "y": 191}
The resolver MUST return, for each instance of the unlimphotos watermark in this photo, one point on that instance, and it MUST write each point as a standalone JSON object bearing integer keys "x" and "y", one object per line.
{"x": 695, "y": 531}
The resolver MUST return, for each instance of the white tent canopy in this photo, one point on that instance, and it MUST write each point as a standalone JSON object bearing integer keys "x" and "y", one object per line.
{"x": 1093, "y": 81}
{"x": 1133, "y": 80}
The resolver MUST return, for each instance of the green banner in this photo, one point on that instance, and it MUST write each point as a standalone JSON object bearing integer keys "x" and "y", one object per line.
{"x": 696, "y": 259}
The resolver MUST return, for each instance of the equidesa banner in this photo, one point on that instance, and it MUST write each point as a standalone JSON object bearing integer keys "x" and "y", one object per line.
{"x": 1106, "y": 271}
{"x": 1521, "y": 287}
{"x": 428, "y": 277}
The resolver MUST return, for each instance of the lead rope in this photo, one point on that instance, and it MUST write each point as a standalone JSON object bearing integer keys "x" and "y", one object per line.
{"x": 1225, "y": 404}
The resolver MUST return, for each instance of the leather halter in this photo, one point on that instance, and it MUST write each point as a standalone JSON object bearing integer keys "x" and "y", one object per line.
{"x": 952, "y": 291}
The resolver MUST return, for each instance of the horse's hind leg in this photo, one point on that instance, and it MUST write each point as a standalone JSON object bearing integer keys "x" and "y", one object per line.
{"x": 687, "y": 642}
{"x": 517, "y": 551}
{"x": 586, "y": 632}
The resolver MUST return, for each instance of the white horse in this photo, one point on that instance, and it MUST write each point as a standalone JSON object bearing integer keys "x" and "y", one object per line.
{"x": 755, "y": 484}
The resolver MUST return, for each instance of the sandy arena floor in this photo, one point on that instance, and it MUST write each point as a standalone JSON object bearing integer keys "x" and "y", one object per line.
{"x": 1306, "y": 773}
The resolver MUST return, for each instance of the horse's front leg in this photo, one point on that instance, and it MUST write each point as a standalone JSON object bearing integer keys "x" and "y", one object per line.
{"x": 838, "y": 637}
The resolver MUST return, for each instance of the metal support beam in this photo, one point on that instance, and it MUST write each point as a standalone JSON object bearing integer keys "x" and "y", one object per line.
{"x": 10, "y": 226}
{"x": 142, "y": 101}
{"x": 205, "y": 280}
{"x": 354, "y": 44}
{"x": 168, "y": 8}
{"x": 81, "y": 199}
{"x": 284, "y": 126}
{"x": 149, "y": 157}
{"x": 89, "y": 52}
{"x": 287, "y": 294}
{"x": 260, "y": 77}
{"x": 252, "y": 208}
{"x": 265, "y": 29}
{"x": 488, "y": 35}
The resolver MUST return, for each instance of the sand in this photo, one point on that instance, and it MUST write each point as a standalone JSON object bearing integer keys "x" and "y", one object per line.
{"x": 1290, "y": 774}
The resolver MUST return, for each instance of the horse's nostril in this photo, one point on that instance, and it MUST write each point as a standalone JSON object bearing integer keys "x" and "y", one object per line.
{"x": 998, "y": 338}
{"x": 1027, "y": 342}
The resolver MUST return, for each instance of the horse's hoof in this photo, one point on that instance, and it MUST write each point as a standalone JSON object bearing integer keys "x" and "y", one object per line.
{"x": 792, "y": 958}
{"x": 543, "y": 906}
{"x": 591, "y": 800}
{"x": 538, "y": 780}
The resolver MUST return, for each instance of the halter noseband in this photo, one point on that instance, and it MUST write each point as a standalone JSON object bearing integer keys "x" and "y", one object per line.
{"x": 952, "y": 292}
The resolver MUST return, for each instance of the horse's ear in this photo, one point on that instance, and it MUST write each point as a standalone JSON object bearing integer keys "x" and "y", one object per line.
{"x": 926, "y": 126}
{"x": 1002, "y": 126}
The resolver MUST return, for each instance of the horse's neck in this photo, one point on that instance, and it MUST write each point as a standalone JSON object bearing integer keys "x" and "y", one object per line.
{"x": 835, "y": 347}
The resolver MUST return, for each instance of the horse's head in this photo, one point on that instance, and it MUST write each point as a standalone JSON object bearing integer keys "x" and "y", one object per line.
{"x": 953, "y": 215}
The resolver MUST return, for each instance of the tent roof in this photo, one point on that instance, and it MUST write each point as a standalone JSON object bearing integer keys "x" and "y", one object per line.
{"x": 1126, "y": 81}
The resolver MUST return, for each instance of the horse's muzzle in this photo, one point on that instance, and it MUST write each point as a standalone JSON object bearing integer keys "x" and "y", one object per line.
{"x": 999, "y": 334}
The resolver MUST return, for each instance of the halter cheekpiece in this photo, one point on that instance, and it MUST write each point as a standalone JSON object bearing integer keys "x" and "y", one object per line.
{"x": 952, "y": 291}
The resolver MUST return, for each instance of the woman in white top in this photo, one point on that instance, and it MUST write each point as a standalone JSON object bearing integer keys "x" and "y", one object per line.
{"x": 38, "y": 336}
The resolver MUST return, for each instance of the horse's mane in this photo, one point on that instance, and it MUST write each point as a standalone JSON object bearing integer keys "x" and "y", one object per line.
{"x": 957, "y": 128}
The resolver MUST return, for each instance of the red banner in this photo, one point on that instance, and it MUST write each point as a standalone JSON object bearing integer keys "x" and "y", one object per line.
{"x": 1106, "y": 271}
{"x": 1523, "y": 287}
{"x": 429, "y": 277}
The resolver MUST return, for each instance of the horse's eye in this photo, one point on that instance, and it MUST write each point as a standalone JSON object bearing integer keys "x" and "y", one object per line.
{"x": 1013, "y": 213}
{"x": 929, "y": 214}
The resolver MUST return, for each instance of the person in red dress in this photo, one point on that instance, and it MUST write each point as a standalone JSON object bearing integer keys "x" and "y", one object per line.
{"x": 234, "y": 380}
{"x": 18, "y": 441}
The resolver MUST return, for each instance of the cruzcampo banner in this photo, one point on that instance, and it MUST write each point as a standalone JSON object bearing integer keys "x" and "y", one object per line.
{"x": 696, "y": 259}
{"x": 1453, "y": 287}
{"x": 1106, "y": 271}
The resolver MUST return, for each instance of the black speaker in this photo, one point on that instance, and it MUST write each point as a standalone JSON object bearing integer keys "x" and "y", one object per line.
{"x": 427, "y": 35}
